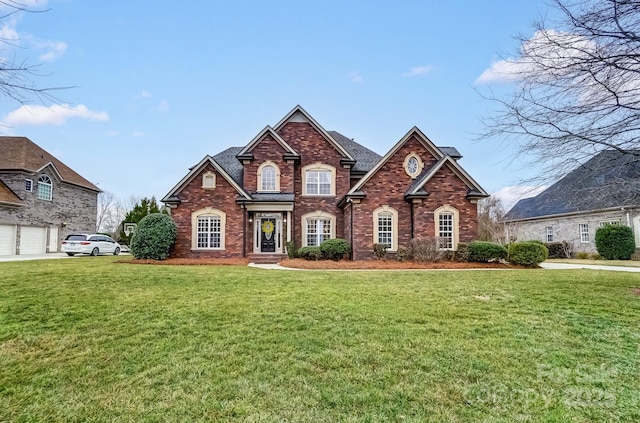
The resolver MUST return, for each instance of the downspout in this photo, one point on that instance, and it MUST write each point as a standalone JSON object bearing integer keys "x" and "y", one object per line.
{"x": 351, "y": 224}
{"x": 411, "y": 216}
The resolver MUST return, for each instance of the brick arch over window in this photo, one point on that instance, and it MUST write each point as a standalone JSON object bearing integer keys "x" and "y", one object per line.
{"x": 268, "y": 177}
{"x": 447, "y": 226}
{"x": 385, "y": 227}
{"x": 208, "y": 229}
{"x": 316, "y": 227}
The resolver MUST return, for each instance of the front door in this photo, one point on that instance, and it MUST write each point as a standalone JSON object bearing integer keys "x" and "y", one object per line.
{"x": 268, "y": 235}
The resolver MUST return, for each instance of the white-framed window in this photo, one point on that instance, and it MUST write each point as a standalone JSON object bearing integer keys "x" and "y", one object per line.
{"x": 28, "y": 185}
{"x": 208, "y": 229}
{"x": 209, "y": 180}
{"x": 316, "y": 227}
{"x": 413, "y": 165}
{"x": 45, "y": 188}
{"x": 385, "y": 227}
{"x": 583, "y": 229}
{"x": 319, "y": 179}
{"x": 268, "y": 177}
{"x": 609, "y": 222}
{"x": 446, "y": 226}
{"x": 549, "y": 233}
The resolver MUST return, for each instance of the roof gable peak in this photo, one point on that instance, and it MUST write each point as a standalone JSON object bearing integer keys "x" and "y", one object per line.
{"x": 268, "y": 130}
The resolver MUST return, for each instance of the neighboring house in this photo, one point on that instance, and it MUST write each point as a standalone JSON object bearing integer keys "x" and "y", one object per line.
{"x": 604, "y": 190}
{"x": 42, "y": 200}
{"x": 298, "y": 182}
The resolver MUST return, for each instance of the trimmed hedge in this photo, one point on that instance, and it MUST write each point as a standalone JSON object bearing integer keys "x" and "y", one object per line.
{"x": 334, "y": 249}
{"x": 310, "y": 253}
{"x": 154, "y": 237}
{"x": 615, "y": 242}
{"x": 528, "y": 253}
{"x": 292, "y": 251}
{"x": 484, "y": 252}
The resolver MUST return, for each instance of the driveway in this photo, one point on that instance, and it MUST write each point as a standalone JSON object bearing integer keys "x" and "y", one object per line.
{"x": 556, "y": 266}
{"x": 47, "y": 256}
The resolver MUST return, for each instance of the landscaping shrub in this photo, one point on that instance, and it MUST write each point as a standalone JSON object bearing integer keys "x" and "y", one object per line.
{"x": 582, "y": 255}
{"x": 615, "y": 242}
{"x": 310, "y": 253}
{"x": 403, "y": 254}
{"x": 556, "y": 250}
{"x": 334, "y": 249}
{"x": 154, "y": 237}
{"x": 484, "y": 252}
{"x": 380, "y": 250}
{"x": 291, "y": 249}
{"x": 528, "y": 253}
{"x": 463, "y": 253}
{"x": 425, "y": 249}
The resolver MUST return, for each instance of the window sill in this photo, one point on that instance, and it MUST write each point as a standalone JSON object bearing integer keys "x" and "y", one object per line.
{"x": 319, "y": 195}
{"x": 208, "y": 249}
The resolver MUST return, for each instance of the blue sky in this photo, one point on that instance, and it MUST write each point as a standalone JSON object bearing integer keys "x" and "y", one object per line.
{"x": 157, "y": 85}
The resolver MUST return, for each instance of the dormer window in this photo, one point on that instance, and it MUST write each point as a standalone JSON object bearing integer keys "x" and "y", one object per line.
{"x": 209, "y": 180}
{"x": 45, "y": 188}
{"x": 268, "y": 177}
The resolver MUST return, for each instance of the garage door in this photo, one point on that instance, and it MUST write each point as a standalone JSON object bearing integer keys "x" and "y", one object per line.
{"x": 33, "y": 240}
{"x": 7, "y": 240}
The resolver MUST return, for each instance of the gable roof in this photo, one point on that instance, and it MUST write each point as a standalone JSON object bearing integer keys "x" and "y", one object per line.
{"x": 172, "y": 196}
{"x": 268, "y": 130}
{"x": 22, "y": 154}
{"x": 609, "y": 179}
{"x": 298, "y": 114}
{"x": 8, "y": 197}
{"x": 475, "y": 190}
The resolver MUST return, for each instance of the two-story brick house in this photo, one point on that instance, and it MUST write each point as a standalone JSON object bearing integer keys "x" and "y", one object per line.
{"x": 42, "y": 200}
{"x": 298, "y": 182}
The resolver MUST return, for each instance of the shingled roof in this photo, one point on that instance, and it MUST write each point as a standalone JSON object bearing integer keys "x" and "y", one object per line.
{"x": 608, "y": 180}
{"x": 22, "y": 154}
{"x": 7, "y": 196}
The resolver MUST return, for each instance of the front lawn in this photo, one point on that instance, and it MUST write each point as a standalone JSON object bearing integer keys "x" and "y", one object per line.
{"x": 89, "y": 339}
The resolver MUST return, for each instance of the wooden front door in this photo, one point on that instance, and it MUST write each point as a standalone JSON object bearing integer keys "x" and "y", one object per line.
{"x": 268, "y": 235}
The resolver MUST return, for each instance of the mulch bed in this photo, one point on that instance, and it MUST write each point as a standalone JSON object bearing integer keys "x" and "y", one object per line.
{"x": 328, "y": 264}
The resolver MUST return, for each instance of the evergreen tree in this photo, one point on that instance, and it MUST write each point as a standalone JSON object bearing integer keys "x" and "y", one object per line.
{"x": 143, "y": 208}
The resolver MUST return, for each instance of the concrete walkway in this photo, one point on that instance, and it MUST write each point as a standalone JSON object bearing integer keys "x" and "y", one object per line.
{"x": 556, "y": 266}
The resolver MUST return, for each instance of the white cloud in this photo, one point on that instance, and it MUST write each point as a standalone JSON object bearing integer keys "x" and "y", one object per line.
{"x": 144, "y": 94}
{"x": 355, "y": 77}
{"x": 512, "y": 194}
{"x": 551, "y": 50}
{"x": 162, "y": 107}
{"x": 54, "y": 50}
{"x": 57, "y": 114}
{"x": 137, "y": 134}
{"x": 418, "y": 70}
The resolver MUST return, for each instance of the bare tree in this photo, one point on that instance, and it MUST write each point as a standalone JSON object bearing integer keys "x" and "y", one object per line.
{"x": 577, "y": 87}
{"x": 17, "y": 75}
{"x": 491, "y": 226}
{"x": 110, "y": 213}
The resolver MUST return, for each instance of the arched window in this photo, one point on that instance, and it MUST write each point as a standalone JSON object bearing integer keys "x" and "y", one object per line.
{"x": 319, "y": 179}
{"x": 268, "y": 177}
{"x": 385, "y": 227}
{"x": 45, "y": 188}
{"x": 446, "y": 221}
{"x": 317, "y": 226}
{"x": 208, "y": 229}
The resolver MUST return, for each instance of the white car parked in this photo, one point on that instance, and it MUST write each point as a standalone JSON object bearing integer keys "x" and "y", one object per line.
{"x": 93, "y": 244}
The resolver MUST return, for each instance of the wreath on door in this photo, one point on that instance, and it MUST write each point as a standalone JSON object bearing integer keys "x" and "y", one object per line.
{"x": 267, "y": 228}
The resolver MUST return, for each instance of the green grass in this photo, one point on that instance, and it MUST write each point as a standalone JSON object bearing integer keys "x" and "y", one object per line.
{"x": 92, "y": 340}
{"x": 622, "y": 263}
